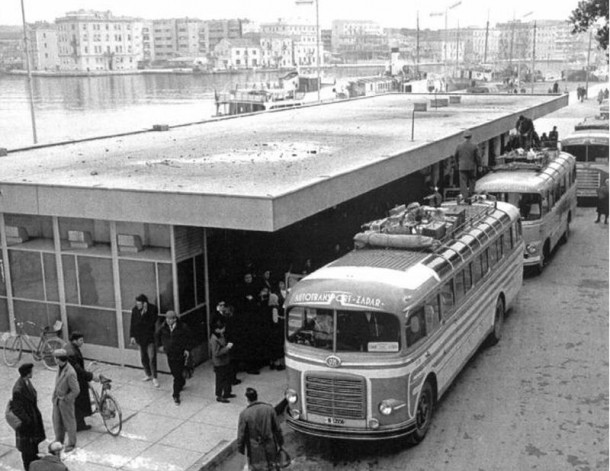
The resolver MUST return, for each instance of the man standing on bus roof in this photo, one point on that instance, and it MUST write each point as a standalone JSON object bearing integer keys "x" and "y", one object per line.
{"x": 468, "y": 162}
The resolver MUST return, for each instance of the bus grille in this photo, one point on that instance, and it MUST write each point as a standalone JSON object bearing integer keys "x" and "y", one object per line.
{"x": 588, "y": 179}
{"x": 342, "y": 397}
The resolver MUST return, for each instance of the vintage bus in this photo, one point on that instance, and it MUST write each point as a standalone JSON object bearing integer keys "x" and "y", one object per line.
{"x": 543, "y": 187}
{"x": 589, "y": 144}
{"x": 376, "y": 337}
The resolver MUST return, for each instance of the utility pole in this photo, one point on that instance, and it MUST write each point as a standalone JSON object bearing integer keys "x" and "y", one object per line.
{"x": 486, "y": 39}
{"x": 587, "y": 69}
{"x": 27, "y": 60}
{"x": 417, "y": 48}
{"x": 512, "y": 40}
{"x": 457, "y": 49}
{"x": 318, "y": 47}
{"x": 534, "y": 57}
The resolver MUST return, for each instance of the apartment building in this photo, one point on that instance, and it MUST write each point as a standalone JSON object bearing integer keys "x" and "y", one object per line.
{"x": 277, "y": 51}
{"x": 303, "y": 39}
{"x": 237, "y": 53}
{"x": 213, "y": 31}
{"x": 176, "y": 37}
{"x": 96, "y": 40}
{"x": 43, "y": 46}
{"x": 359, "y": 40}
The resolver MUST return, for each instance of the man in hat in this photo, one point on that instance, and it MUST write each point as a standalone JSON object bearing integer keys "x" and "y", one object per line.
{"x": 468, "y": 162}
{"x": 52, "y": 461}
{"x": 175, "y": 339}
{"x": 64, "y": 395}
{"x": 82, "y": 405}
{"x": 145, "y": 321}
{"x": 24, "y": 405}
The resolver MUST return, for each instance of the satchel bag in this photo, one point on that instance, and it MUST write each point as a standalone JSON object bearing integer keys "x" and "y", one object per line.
{"x": 11, "y": 418}
{"x": 283, "y": 458}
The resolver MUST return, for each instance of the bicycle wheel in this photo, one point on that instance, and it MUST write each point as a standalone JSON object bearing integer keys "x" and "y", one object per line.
{"x": 12, "y": 350}
{"x": 111, "y": 415}
{"x": 50, "y": 345}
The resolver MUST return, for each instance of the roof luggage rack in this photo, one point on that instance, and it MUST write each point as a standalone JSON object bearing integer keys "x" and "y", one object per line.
{"x": 421, "y": 227}
{"x": 520, "y": 159}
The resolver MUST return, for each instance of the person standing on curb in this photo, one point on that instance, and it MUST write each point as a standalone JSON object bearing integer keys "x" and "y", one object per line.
{"x": 468, "y": 162}
{"x": 221, "y": 359}
{"x": 64, "y": 395}
{"x": 174, "y": 337}
{"x": 602, "y": 202}
{"x": 31, "y": 431}
{"x": 259, "y": 436}
{"x": 144, "y": 322}
{"x": 52, "y": 461}
{"x": 82, "y": 405}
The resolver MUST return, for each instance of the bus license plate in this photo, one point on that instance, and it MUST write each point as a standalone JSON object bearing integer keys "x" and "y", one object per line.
{"x": 335, "y": 421}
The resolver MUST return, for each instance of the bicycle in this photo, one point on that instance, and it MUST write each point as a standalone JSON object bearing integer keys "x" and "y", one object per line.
{"x": 43, "y": 351}
{"x": 107, "y": 406}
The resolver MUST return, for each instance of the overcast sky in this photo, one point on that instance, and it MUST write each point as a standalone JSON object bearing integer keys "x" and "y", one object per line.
{"x": 390, "y": 13}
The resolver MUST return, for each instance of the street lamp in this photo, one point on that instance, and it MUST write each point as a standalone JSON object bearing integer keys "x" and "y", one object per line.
{"x": 310, "y": 2}
{"x": 450, "y": 7}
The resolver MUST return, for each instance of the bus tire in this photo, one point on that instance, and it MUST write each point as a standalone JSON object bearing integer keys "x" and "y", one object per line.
{"x": 496, "y": 332}
{"x": 544, "y": 259}
{"x": 566, "y": 234}
{"x": 423, "y": 414}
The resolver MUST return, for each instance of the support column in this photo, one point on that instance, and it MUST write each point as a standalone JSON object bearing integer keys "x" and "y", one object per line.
{"x": 172, "y": 243}
{"x": 206, "y": 273}
{"x": 118, "y": 302}
{"x": 61, "y": 286}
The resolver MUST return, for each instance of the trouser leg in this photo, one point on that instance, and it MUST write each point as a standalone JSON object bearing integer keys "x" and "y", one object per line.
{"x": 176, "y": 366}
{"x": 68, "y": 418}
{"x": 58, "y": 425}
{"x": 472, "y": 180}
{"x": 145, "y": 360}
{"x": 225, "y": 380}
{"x": 464, "y": 183}
{"x": 29, "y": 454}
{"x": 151, "y": 351}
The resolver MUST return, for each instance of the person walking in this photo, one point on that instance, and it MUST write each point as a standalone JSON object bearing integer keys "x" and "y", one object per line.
{"x": 82, "y": 405}
{"x": 52, "y": 461}
{"x": 468, "y": 162}
{"x": 602, "y": 202}
{"x": 145, "y": 321}
{"x": 31, "y": 431}
{"x": 221, "y": 359}
{"x": 259, "y": 436}
{"x": 174, "y": 337}
{"x": 64, "y": 395}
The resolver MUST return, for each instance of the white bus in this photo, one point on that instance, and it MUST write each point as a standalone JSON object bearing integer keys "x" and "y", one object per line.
{"x": 543, "y": 187}
{"x": 376, "y": 337}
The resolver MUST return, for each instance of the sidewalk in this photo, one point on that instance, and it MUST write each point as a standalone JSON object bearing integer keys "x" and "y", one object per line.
{"x": 156, "y": 434}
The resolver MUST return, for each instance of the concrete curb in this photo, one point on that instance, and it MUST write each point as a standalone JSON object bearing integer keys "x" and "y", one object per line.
{"x": 212, "y": 460}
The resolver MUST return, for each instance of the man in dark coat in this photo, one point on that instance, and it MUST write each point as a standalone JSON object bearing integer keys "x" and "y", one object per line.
{"x": 31, "y": 431}
{"x": 468, "y": 161}
{"x": 82, "y": 405}
{"x": 52, "y": 461}
{"x": 259, "y": 436}
{"x": 144, "y": 321}
{"x": 176, "y": 341}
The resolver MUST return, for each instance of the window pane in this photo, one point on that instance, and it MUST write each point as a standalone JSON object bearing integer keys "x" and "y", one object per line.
{"x": 4, "y": 323}
{"x": 2, "y": 277}
{"x": 447, "y": 299}
{"x": 507, "y": 241}
{"x": 500, "y": 247}
{"x": 186, "y": 285}
{"x": 492, "y": 254}
{"x": 50, "y": 277}
{"x": 41, "y": 314}
{"x": 69, "y": 269}
{"x": 26, "y": 274}
{"x": 97, "y": 325}
{"x": 96, "y": 281}
{"x": 166, "y": 288}
{"x": 484, "y": 262}
{"x": 460, "y": 289}
{"x": 475, "y": 267}
{"x": 467, "y": 279}
{"x": 416, "y": 327}
{"x": 433, "y": 314}
{"x": 137, "y": 278}
{"x": 200, "y": 269}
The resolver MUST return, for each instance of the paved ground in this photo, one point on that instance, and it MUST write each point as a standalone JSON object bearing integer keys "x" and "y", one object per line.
{"x": 157, "y": 434}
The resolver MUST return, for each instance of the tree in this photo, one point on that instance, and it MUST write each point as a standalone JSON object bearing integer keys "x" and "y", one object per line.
{"x": 592, "y": 13}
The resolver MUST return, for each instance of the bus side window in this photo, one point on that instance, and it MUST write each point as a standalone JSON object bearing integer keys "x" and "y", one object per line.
{"x": 508, "y": 242}
{"x": 467, "y": 279}
{"x": 500, "y": 246}
{"x": 519, "y": 233}
{"x": 432, "y": 313}
{"x": 460, "y": 289}
{"x": 447, "y": 300}
{"x": 476, "y": 270}
{"x": 484, "y": 262}
{"x": 492, "y": 255}
{"x": 416, "y": 327}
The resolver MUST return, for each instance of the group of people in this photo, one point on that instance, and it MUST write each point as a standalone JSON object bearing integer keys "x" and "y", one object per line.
{"x": 602, "y": 95}
{"x": 581, "y": 93}
{"x": 71, "y": 404}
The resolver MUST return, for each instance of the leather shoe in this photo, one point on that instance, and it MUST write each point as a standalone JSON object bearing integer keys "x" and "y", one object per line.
{"x": 177, "y": 400}
{"x": 253, "y": 372}
{"x": 229, "y": 396}
{"x": 83, "y": 427}
{"x": 222, "y": 399}
{"x": 236, "y": 382}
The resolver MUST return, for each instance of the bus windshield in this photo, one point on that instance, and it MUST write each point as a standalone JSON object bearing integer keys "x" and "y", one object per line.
{"x": 529, "y": 204}
{"x": 588, "y": 153}
{"x": 355, "y": 331}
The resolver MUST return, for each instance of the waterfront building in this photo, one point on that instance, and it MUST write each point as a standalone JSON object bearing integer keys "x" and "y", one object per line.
{"x": 148, "y": 49}
{"x": 42, "y": 42}
{"x": 180, "y": 215}
{"x": 357, "y": 40}
{"x": 213, "y": 31}
{"x": 303, "y": 39}
{"x": 241, "y": 53}
{"x": 176, "y": 37}
{"x": 277, "y": 51}
{"x": 12, "y": 54}
{"x": 96, "y": 40}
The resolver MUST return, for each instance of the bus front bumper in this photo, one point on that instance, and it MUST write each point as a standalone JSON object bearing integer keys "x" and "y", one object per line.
{"x": 529, "y": 260}
{"x": 350, "y": 433}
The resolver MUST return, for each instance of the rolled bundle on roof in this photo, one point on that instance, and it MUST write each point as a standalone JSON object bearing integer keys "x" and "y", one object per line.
{"x": 394, "y": 241}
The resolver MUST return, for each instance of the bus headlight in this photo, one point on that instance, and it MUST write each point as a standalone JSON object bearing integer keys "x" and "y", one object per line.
{"x": 291, "y": 396}
{"x": 294, "y": 413}
{"x": 531, "y": 249}
{"x": 387, "y": 406}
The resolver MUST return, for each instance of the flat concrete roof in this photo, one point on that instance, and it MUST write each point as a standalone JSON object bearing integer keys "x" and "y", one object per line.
{"x": 258, "y": 172}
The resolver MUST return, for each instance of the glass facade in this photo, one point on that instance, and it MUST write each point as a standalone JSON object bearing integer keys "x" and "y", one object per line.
{"x": 91, "y": 286}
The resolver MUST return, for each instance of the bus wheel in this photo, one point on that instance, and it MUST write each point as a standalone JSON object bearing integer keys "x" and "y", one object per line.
{"x": 544, "y": 259}
{"x": 566, "y": 234}
{"x": 496, "y": 333}
{"x": 423, "y": 414}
